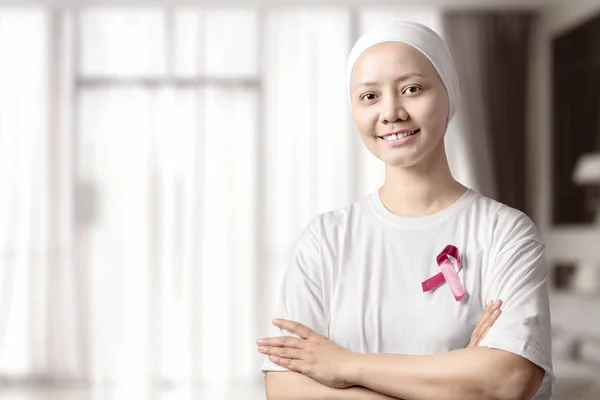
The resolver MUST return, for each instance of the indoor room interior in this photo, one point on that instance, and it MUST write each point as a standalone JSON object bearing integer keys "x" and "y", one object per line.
{"x": 158, "y": 159}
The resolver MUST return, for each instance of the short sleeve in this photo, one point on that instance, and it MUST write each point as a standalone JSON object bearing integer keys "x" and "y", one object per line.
{"x": 518, "y": 277}
{"x": 301, "y": 294}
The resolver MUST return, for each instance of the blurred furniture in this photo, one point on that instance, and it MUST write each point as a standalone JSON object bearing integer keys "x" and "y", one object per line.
{"x": 587, "y": 173}
{"x": 576, "y": 346}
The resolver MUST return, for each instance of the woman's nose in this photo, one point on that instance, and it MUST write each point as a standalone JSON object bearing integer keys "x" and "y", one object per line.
{"x": 393, "y": 111}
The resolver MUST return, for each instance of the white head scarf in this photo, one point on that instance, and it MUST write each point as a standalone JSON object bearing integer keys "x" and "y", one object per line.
{"x": 421, "y": 38}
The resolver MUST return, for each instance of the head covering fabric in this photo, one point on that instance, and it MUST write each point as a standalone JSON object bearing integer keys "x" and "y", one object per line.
{"x": 422, "y": 38}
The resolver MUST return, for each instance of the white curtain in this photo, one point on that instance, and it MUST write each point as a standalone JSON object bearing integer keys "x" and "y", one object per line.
{"x": 168, "y": 152}
{"x": 23, "y": 210}
{"x": 310, "y": 151}
{"x": 38, "y": 307}
{"x": 154, "y": 182}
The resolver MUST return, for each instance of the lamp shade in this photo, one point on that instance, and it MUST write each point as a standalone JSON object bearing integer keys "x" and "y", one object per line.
{"x": 587, "y": 169}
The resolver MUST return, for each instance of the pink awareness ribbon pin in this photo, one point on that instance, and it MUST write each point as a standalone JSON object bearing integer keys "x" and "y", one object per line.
{"x": 449, "y": 273}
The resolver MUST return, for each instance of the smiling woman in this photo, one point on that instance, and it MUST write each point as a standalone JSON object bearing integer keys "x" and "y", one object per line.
{"x": 408, "y": 270}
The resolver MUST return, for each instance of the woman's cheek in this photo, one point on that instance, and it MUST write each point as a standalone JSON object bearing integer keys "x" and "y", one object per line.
{"x": 365, "y": 123}
{"x": 433, "y": 114}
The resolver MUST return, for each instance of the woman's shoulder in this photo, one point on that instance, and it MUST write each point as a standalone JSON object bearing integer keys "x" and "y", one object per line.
{"x": 508, "y": 224}
{"x": 337, "y": 220}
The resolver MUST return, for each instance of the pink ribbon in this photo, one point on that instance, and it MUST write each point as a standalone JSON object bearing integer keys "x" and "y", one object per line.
{"x": 449, "y": 273}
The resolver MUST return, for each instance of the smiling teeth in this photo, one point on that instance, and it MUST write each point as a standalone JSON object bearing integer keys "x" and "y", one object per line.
{"x": 394, "y": 136}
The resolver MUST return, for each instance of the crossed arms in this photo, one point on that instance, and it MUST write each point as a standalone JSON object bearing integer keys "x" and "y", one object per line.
{"x": 320, "y": 369}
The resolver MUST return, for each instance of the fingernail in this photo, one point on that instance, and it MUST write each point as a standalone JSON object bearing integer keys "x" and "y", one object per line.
{"x": 496, "y": 313}
{"x": 262, "y": 349}
{"x": 490, "y": 303}
{"x": 261, "y": 341}
{"x": 276, "y": 321}
{"x": 497, "y": 302}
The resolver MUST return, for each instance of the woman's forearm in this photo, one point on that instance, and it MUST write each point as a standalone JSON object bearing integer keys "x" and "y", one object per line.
{"x": 473, "y": 373}
{"x": 291, "y": 385}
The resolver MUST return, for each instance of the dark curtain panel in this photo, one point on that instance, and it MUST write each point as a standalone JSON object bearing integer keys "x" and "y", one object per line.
{"x": 495, "y": 91}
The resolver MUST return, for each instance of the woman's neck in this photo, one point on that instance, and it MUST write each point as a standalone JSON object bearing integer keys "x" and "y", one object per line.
{"x": 420, "y": 190}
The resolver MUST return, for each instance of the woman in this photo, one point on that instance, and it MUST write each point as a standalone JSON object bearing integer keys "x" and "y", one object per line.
{"x": 381, "y": 297}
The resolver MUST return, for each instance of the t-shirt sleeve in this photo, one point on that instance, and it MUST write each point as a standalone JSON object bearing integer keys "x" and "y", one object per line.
{"x": 301, "y": 294}
{"x": 518, "y": 277}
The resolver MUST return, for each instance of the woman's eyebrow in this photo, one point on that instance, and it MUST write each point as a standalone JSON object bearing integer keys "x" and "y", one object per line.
{"x": 401, "y": 78}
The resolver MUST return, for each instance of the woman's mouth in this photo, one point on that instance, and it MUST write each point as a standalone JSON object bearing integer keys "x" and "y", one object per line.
{"x": 395, "y": 139}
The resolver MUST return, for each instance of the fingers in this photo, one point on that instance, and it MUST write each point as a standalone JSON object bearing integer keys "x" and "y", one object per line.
{"x": 289, "y": 363}
{"x": 282, "y": 341}
{"x": 281, "y": 352}
{"x": 489, "y": 316}
{"x": 476, "y": 339}
{"x": 296, "y": 327}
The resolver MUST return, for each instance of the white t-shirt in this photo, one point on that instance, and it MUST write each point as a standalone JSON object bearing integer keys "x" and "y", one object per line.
{"x": 355, "y": 277}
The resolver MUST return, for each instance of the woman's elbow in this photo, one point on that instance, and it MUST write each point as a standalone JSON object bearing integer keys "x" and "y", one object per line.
{"x": 522, "y": 384}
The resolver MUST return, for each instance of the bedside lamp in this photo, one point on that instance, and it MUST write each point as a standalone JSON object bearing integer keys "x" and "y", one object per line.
{"x": 587, "y": 173}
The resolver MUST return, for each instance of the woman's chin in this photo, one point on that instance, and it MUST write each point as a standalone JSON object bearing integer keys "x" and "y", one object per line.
{"x": 399, "y": 161}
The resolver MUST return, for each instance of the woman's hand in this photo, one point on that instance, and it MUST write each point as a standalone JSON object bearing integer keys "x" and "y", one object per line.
{"x": 312, "y": 354}
{"x": 489, "y": 316}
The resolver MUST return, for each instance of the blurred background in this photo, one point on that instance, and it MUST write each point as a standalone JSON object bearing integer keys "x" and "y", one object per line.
{"x": 158, "y": 160}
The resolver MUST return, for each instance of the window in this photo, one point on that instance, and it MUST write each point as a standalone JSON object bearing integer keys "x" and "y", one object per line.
{"x": 174, "y": 157}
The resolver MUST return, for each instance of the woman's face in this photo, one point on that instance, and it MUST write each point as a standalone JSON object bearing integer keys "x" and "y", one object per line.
{"x": 394, "y": 87}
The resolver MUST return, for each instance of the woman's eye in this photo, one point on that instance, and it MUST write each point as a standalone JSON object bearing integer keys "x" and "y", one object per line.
{"x": 412, "y": 89}
{"x": 368, "y": 96}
